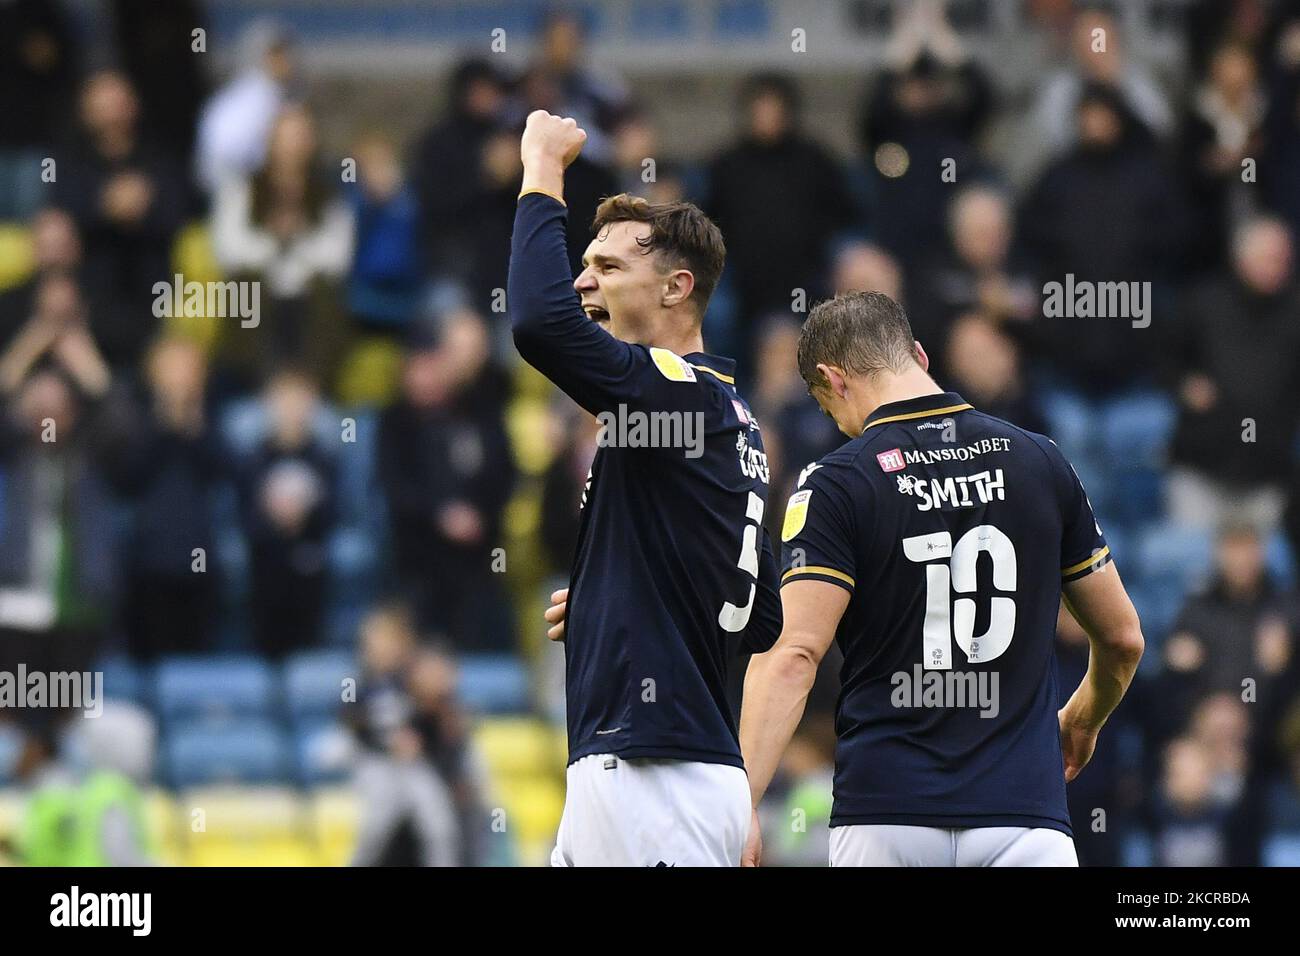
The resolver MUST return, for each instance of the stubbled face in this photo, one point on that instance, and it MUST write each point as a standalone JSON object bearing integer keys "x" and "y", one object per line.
{"x": 621, "y": 284}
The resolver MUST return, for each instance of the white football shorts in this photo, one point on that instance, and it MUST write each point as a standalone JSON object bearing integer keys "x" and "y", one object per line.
{"x": 890, "y": 845}
{"x": 651, "y": 812}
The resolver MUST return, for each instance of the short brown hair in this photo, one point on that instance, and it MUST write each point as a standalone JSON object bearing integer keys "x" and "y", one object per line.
{"x": 680, "y": 233}
{"x": 860, "y": 332}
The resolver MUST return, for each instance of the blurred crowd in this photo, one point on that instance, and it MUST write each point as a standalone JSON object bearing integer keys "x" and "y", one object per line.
{"x": 342, "y": 470}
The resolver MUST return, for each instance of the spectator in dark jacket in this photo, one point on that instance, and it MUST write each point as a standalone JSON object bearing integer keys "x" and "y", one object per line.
{"x": 1235, "y": 352}
{"x": 58, "y": 579}
{"x": 920, "y": 120}
{"x": 1104, "y": 212}
{"x": 128, "y": 198}
{"x": 446, "y": 162}
{"x": 978, "y": 271}
{"x": 289, "y": 512}
{"x": 780, "y": 243}
{"x": 56, "y": 249}
{"x": 38, "y": 74}
{"x": 446, "y": 469}
{"x": 170, "y": 464}
{"x": 1224, "y": 127}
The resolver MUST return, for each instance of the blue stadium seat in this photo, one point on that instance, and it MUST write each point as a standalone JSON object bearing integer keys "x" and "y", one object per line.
{"x": 244, "y": 422}
{"x": 742, "y": 19}
{"x": 313, "y": 682}
{"x": 359, "y": 492}
{"x": 494, "y": 683}
{"x": 1282, "y": 849}
{"x": 322, "y": 752}
{"x": 11, "y": 745}
{"x": 343, "y": 623}
{"x": 354, "y": 562}
{"x": 1134, "y": 496}
{"x": 214, "y": 688}
{"x": 659, "y": 19}
{"x": 1280, "y": 559}
{"x": 1137, "y": 430}
{"x": 1170, "y": 550}
{"x": 123, "y": 680}
{"x": 244, "y": 751}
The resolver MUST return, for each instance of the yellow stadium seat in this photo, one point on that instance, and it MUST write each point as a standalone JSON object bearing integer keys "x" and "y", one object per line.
{"x": 333, "y": 816}
{"x": 519, "y": 746}
{"x": 193, "y": 260}
{"x": 277, "y": 851}
{"x": 528, "y": 425}
{"x": 164, "y": 819}
{"x": 16, "y": 255}
{"x": 533, "y": 806}
{"x": 371, "y": 373}
{"x": 214, "y": 814}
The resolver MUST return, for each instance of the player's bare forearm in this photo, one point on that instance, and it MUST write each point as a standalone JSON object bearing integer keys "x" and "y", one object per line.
{"x": 778, "y": 682}
{"x": 1103, "y": 609}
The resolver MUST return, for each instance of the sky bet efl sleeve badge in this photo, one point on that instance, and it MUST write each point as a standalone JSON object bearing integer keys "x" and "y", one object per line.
{"x": 671, "y": 366}
{"x": 796, "y": 513}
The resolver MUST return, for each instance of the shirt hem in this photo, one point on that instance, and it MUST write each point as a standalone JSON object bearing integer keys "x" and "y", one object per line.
{"x": 948, "y": 821}
{"x": 657, "y": 752}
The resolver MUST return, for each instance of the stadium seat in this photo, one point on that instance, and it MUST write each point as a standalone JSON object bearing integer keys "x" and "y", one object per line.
{"x": 11, "y": 745}
{"x": 532, "y": 815}
{"x": 494, "y": 683}
{"x": 1167, "y": 550}
{"x": 333, "y": 815}
{"x": 322, "y": 752}
{"x": 214, "y": 688}
{"x": 261, "y": 826}
{"x": 1282, "y": 849}
{"x": 17, "y": 254}
{"x": 659, "y": 19}
{"x": 244, "y": 422}
{"x": 165, "y": 822}
{"x": 313, "y": 682}
{"x": 519, "y": 746}
{"x": 123, "y": 680}
{"x": 742, "y": 19}
{"x": 354, "y": 561}
{"x": 1280, "y": 559}
{"x": 243, "y": 751}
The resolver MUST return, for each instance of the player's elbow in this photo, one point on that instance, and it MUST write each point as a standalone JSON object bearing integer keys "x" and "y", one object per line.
{"x": 794, "y": 663}
{"x": 1125, "y": 642}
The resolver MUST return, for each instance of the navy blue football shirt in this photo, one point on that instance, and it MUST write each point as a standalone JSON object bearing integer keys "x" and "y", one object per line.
{"x": 673, "y": 573}
{"x": 953, "y": 531}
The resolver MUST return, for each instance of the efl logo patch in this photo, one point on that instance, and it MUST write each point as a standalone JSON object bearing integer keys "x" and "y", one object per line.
{"x": 796, "y": 514}
{"x": 891, "y": 460}
{"x": 671, "y": 366}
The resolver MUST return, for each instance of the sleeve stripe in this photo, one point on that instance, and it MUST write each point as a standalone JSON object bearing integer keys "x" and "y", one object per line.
{"x": 812, "y": 569}
{"x": 718, "y": 375}
{"x": 1075, "y": 568}
{"x": 542, "y": 192}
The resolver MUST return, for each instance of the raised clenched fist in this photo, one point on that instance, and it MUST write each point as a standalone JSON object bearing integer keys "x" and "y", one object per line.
{"x": 551, "y": 139}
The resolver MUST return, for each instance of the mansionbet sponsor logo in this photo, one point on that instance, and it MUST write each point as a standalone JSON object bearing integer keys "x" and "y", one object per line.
{"x": 896, "y": 459}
